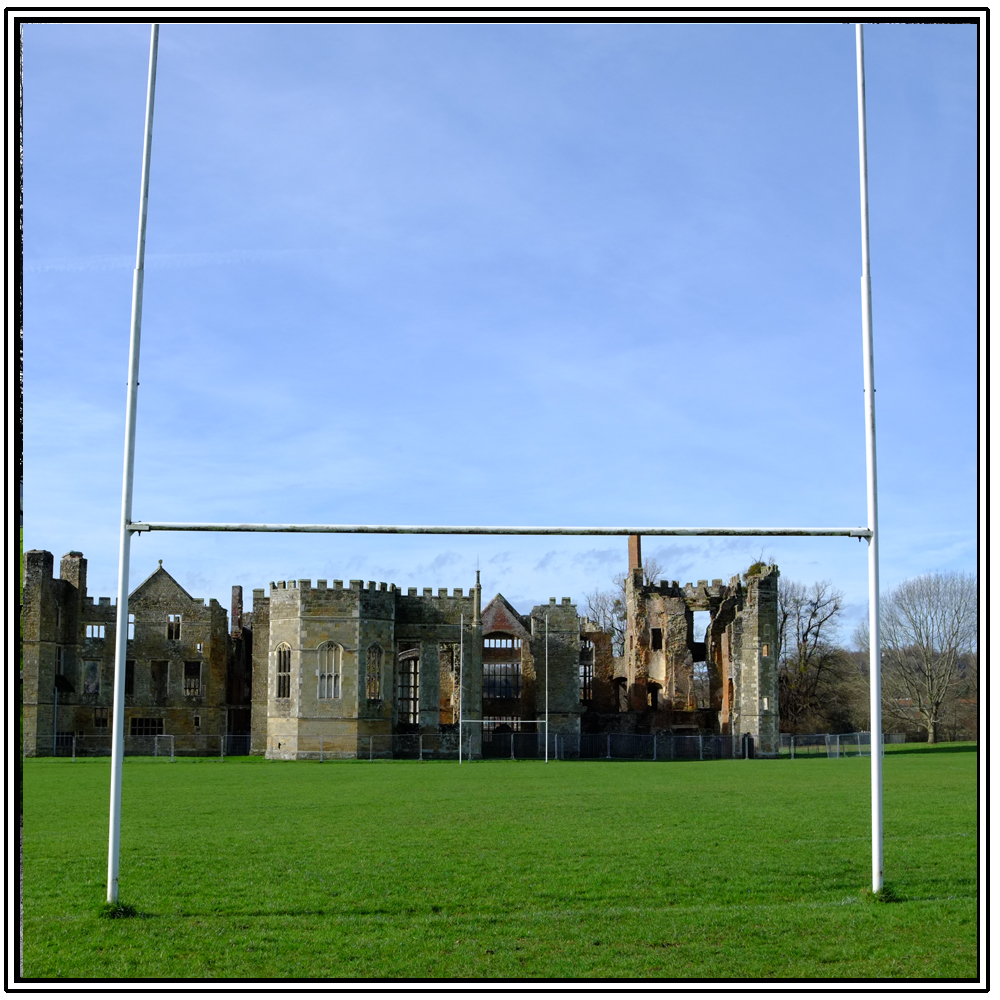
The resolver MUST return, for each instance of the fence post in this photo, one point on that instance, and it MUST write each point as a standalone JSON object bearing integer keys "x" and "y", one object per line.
{"x": 74, "y": 749}
{"x": 701, "y": 747}
{"x": 609, "y": 746}
{"x": 371, "y": 755}
{"x": 791, "y": 745}
{"x": 156, "y": 745}
{"x": 654, "y": 745}
{"x": 171, "y": 749}
{"x": 221, "y": 747}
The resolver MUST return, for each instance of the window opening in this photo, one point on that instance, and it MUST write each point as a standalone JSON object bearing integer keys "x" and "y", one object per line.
{"x": 586, "y": 682}
{"x": 91, "y": 676}
{"x": 329, "y": 670}
{"x": 131, "y": 626}
{"x": 197, "y": 722}
{"x": 653, "y": 697}
{"x": 699, "y": 625}
{"x": 765, "y": 650}
{"x": 408, "y": 702}
{"x": 657, "y": 638}
{"x": 159, "y": 672}
{"x": 146, "y": 727}
{"x": 621, "y": 694}
{"x": 95, "y": 631}
{"x": 130, "y": 678}
{"x": 373, "y": 673}
{"x": 61, "y": 660}
{"x": 501, "y": 680}
{"x": 58, "y": 617}
{"x": 501, "y": 642}
{"x": 101, "y": 717}
{"x": 192, "y": 678}
{"x": 173, "y": 627}
{"x": 284, "y": 658}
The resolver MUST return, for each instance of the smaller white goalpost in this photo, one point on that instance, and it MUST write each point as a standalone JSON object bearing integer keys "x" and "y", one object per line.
{"x": 128, "y": 527}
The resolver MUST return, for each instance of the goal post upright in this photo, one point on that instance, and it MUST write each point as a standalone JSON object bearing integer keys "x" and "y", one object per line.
{"x": 874, "y": 637}
{"x": 124, "y": 541}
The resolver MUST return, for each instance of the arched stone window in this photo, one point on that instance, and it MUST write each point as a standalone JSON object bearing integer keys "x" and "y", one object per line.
{"x": 330, "y": 658}
{"x": 283, "y": 657}
{"x": 373, "y": 673}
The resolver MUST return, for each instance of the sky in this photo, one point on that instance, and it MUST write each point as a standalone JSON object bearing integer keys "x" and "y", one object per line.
{"x": 511, "y": 274}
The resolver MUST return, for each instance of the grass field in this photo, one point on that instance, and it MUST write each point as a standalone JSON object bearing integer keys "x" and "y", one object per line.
{"x": 723, "y": 869}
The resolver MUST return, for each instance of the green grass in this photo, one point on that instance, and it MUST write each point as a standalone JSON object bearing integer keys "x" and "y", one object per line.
{"x": 723, "y": 869}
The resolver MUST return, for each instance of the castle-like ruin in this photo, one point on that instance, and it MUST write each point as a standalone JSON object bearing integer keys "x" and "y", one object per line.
{"x": 328, "y": 668}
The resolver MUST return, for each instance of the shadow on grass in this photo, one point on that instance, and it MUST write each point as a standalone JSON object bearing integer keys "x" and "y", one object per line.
{"x": 933, "y": 748}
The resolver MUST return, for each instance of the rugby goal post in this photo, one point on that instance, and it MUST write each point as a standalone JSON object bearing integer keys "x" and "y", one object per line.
{"x": 128, "y": 527}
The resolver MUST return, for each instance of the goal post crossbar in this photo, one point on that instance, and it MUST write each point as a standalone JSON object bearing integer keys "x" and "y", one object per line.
{"x": 137, "y": 527}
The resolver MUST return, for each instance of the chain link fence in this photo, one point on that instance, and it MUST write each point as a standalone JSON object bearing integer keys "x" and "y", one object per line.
{"x": 167, "y": 746}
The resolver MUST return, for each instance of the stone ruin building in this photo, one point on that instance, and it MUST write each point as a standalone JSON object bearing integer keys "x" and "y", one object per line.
{"x": 326, "y": 668}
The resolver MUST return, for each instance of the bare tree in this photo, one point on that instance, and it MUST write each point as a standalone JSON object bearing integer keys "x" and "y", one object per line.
{"x": 811, "y": 666}
{"x": 929, "y": 647}
{"x": 607, "y": 610}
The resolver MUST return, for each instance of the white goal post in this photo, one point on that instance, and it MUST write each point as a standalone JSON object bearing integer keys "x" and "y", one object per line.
{"x": 129, "y": 527}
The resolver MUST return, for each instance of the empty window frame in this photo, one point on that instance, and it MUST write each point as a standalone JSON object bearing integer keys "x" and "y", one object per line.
{"x": 408, "y": 700}
{"x": 130, "y": 678}
{"x": 159, "y": 674}
{"x": 501, "y": 642}
{"x": 501, "y": 680}
{"x": 131, "y": 626}
{"x": 373, "y": 672}
{"x": 173, "y": 627}
{"x": 197, "y": 722}
{"x": 653, "y": 697}
{"x": 91, "y": 676}
{"x": 101, "y": 717}
{"x": 58, "y": 617}
{"x": 621, "y": 694}
{"x": 656, "y": 638}
{"x": 62, "y": 661}
{"x": 145, "y": 727}
{"x": 94, "y": 631}
{"x": 283, "y": 658}
{"x": 330, "y": 660}
{"x": 586, "y": 682}
{"x": 192, "y": 678}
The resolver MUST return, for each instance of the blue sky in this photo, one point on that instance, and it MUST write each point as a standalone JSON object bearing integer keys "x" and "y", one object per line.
{"x": 500, "y": 274}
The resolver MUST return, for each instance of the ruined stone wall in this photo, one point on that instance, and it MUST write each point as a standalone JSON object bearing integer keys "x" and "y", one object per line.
{"x": 57, "y": 616}
{"x": 563, "y": 664}
{"x": 755, "y": 661}
{"x": 604, "y": 667}
{"x": 260, "y": 625}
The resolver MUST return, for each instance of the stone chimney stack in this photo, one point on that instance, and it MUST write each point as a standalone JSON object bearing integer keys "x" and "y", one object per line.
{"x": 236, "y": 621}
{"x": 634, "y": 552}
{"x": 73, "y": 569}
{"x": 477, "y": 601}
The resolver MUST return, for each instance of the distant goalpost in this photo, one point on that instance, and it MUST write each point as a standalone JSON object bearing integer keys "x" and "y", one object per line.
{"x": 128, "y": 527}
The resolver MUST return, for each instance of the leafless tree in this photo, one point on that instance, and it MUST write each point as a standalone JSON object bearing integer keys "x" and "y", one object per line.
{"x": 930, "y": 628}
{"x": 811, "y": 666}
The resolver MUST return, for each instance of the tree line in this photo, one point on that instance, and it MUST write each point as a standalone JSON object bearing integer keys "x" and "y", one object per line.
{"x": 930, "y": 656}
